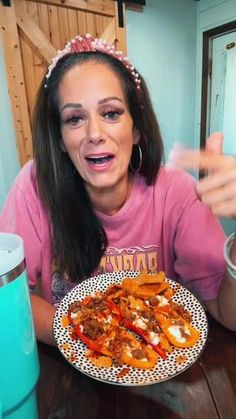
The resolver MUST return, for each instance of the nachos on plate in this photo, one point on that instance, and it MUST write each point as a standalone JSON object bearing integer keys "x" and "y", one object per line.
{"x": 134, "y": 322}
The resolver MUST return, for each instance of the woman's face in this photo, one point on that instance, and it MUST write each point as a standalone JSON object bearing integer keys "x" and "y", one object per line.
{"x": 96, "y": 125}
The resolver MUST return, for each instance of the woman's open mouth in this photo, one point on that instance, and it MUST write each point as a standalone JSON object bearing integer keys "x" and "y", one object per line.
{"x": 99, "y": 159}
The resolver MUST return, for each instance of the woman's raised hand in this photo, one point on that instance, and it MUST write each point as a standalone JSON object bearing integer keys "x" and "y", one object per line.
{"x": 218, "y": 188}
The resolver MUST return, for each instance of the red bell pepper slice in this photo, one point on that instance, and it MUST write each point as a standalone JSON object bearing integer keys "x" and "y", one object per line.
{"x": 114, "y": 309}
{"x": 157, "y": 348}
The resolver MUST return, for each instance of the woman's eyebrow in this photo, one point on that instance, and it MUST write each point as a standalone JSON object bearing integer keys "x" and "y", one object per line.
{"x": 100, "y": 102}
{"x": 71, "y": 105}
{"x": 108, "y": 99}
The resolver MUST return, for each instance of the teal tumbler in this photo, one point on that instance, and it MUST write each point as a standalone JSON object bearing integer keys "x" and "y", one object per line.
{"x": 19, "y": 364}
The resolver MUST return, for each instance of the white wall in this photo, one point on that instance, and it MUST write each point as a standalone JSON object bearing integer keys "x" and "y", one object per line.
{"x": 162, "y": 45}
{"x": 9, "y": 163}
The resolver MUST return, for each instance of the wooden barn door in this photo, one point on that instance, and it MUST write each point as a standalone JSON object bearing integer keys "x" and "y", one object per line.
{"x": 32, "y": 32}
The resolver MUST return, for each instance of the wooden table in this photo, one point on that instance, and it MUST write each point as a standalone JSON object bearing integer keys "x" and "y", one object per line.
{"x": 206, "y": 390}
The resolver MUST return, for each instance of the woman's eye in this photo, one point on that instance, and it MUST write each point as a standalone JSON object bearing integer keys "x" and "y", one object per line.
{"x": 74, "y": 120}
{"x": 112, "y": 115}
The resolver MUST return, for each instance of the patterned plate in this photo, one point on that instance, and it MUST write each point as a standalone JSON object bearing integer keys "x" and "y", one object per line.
{"x": 73, "y": 351}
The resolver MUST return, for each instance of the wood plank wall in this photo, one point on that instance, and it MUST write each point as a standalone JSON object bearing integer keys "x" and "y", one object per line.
{"x": 59, "y": 24}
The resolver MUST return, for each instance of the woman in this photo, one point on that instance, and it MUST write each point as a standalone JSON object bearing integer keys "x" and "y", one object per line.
{"x": 96, "y": 198}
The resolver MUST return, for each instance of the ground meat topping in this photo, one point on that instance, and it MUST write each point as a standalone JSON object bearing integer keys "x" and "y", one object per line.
{"x": 153, "y": 326}
{"x": 97, "y": 304}
{"x": 153, "y": 301}
{"x": 92, "y": 329}
{"x": 139, "y": 353}
{"x": 183, "y": 312}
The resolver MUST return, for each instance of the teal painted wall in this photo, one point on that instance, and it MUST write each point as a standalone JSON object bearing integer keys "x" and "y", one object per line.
{"x": 162, "y": 45}
{"x": 9, "y": 163}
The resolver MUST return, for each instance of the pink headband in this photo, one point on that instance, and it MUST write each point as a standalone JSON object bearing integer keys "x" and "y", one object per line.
{"x": 85, "y": 43}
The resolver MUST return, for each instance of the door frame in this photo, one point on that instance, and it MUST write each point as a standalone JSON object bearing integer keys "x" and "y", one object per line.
{"x": 206, "y": 72}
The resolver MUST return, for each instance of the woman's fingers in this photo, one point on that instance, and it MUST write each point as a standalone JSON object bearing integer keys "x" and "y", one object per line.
{"x": 214, "y": 143}
{"x": 218, "y": 188}
{"x": 225, "y": 208}
{"x": 223, "y": 178}
{"x": 213, "y": 194}
{"x": 205, "y": 159}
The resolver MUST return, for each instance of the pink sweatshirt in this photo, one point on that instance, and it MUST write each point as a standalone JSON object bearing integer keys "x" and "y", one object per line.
{"x": 160, "y": 227}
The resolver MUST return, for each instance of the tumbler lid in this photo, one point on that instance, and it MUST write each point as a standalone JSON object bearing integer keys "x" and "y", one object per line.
{"x": 11, "y": 252}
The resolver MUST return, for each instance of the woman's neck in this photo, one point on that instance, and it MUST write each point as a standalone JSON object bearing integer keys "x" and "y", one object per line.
{"x": 111, "y": 200}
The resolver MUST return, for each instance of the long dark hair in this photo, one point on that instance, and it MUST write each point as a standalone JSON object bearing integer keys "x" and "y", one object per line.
{"x": 79, "y": 240}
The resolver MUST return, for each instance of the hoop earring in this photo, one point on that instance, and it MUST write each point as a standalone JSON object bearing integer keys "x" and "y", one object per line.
{"x": 139, "y": 157}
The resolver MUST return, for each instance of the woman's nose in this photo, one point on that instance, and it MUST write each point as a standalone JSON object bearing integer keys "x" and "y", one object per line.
{"x": 94, "y": 130}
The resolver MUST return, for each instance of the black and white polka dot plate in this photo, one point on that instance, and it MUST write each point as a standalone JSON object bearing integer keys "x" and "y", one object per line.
{"x": 74, "y": 351}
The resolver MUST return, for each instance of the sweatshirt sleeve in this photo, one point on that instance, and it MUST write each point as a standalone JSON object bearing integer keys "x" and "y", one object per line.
{"x": 198, "y": 244}
{"x": 21, "y": 215}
